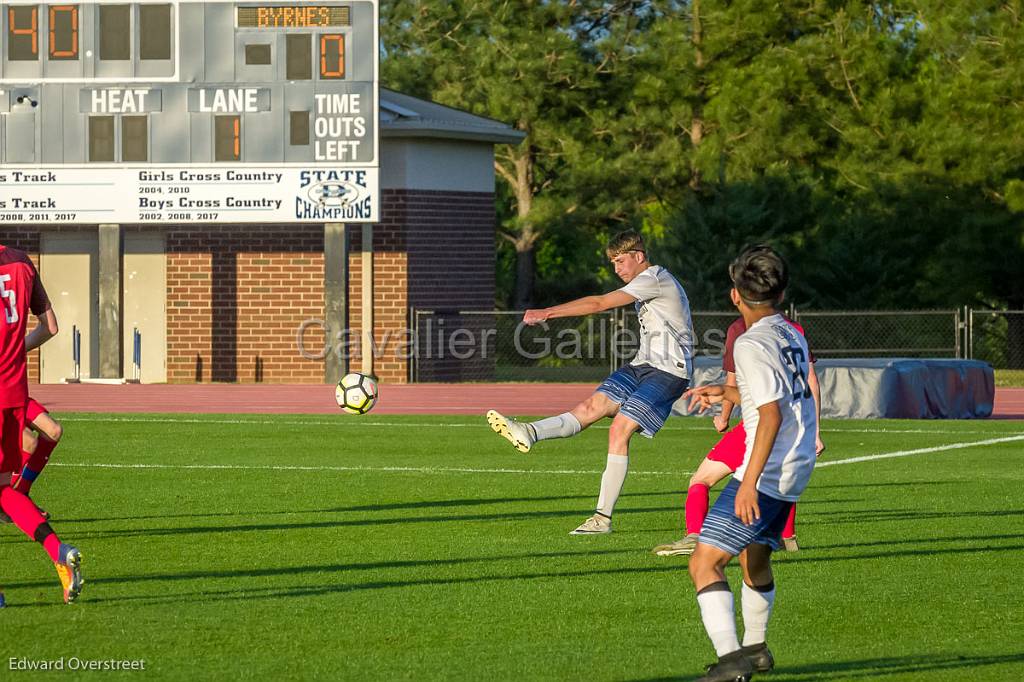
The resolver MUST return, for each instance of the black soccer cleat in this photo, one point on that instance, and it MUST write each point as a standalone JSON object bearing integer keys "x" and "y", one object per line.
{"x": 734, "y": 667}
{"x": 760, "y": 657}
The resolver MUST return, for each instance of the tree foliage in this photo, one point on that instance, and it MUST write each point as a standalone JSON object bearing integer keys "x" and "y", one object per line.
{"x": 879, "y": 145}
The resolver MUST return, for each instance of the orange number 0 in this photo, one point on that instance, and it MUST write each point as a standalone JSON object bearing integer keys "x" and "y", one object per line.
{"x": 339, "y": 65}
{"x": 33, "y": 30}
{"x": 73, "y": 52}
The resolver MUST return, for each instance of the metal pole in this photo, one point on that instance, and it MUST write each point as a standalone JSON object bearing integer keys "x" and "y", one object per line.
{"x": 336, "y": 283}
{"x": 76, "y": 352}
{"x": 970, "y": 333}
{"x": 414, "y": 342}
{"x": 137, "y": 355}
{"x": 367, "y": 303}
{"x": 957, "y": 333}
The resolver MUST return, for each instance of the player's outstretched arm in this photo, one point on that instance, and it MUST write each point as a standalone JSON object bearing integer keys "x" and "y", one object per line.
{"x": 588, "y": 305}
{"x": 721, "y": 421}
{"x": 815, "y": 386}
{"x": 706, "y": 396}
{"x": 44, "y": 331}
{"x": 768, "y": 423}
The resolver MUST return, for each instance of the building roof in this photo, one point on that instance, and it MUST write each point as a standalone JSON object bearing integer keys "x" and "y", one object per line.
{"x": 407, "y": 116}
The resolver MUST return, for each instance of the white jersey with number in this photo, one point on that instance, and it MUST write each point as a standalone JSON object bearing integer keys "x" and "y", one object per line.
{"x": 771, "y": 365}
{"x": 666, "y": 330}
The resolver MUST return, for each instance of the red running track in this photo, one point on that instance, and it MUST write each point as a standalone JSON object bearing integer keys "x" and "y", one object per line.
{"x": 319, "y": 399}
{"x": 309, "y": 399}
{"x": 1009, "y": 403}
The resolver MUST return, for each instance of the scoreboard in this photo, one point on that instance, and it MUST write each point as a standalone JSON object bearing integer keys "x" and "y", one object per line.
{"x": 154, "y": 111}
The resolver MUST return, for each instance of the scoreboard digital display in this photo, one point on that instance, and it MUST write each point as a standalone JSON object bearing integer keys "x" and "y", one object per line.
{"x": 292, "y": 16}
{"x": 215, "y": 111}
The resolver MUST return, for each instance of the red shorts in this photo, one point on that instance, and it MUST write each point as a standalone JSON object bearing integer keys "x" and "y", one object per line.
{"x": 12, "y": 423}
{"x": 32, "y": 410}
{"x": 731, "y": 448}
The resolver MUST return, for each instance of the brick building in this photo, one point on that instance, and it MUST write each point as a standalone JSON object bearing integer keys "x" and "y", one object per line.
{"x": 285, "y": 303}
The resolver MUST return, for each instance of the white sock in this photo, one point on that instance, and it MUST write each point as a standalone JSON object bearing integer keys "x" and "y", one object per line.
{"x": 757, "y": 609}
{"x": 564, "y": 425}
{"x": 716, "y": 610}
{"x": 611, "y": 482}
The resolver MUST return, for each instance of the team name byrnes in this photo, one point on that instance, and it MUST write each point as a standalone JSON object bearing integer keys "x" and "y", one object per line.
{"x": 75, "y": 663}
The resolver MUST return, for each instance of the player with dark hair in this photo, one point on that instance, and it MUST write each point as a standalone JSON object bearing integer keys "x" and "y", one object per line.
{"x": 638, "y": 396}
{"x": 727, "y": 456}
{"x": 22, "y": 292}
{"x": 747, "y": 518}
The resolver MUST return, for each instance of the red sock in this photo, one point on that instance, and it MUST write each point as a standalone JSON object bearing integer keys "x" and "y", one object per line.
{"x": 790, "y": 529}
{"x": 696, "y": 507}
{"x": 34, "y": 464}
{"x": 26, "y": 516}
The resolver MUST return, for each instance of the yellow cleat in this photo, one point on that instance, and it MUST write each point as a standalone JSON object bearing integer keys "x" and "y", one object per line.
{"x": 69, "y": 570}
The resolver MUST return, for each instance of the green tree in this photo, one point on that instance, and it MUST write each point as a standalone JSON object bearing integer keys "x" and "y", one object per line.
{"x": 549, "y": 68}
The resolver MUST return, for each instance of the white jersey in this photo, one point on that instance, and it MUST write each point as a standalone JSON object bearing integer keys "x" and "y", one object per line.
{"x": 771, "y": 365}
{"x": 666, "y": 331}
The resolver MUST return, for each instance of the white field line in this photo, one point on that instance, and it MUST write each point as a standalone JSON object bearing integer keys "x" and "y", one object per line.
{"x": 922, "y": 451}
{"x": 415, "y": 470}
{"x": 351, "y": 422}
{"x": 548, "y": 472}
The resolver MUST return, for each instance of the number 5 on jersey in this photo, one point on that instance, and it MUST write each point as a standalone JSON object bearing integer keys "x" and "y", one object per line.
{"x": 10, "y": 299}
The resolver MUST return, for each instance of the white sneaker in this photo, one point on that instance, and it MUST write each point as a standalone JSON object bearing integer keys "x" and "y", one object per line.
{"x": 511, "y": 430}
{"x": 681, "y": 547}
{"x": 595, "y": 525}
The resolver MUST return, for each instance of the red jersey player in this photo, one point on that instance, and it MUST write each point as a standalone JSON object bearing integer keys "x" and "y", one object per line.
{"x": 727, "y": 456}
{"x": 21, "y": 292}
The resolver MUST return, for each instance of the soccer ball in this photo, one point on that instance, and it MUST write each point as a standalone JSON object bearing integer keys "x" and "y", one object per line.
{"x": 356, "y": 393}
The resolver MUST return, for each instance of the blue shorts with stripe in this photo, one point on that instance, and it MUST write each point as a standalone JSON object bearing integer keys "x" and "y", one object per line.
{"x": 644, "y": 394}
{"x": 726, "y": 531}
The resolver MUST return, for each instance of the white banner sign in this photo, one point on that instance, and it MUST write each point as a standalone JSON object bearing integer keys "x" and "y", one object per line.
{"x": 220, "y": 194}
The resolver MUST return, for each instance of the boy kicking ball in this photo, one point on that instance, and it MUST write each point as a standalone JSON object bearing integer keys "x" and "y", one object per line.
{"x": 748, "y": 517}
{"x": 639, "y": 396}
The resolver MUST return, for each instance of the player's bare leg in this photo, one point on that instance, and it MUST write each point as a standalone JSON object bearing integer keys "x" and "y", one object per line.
{"x": 757, "y": 599}
{"x": 709, "y": 473}
{"x": 614, "y": 476}
{"x": 568, "y": 424}
{"x": 36, "y": 451}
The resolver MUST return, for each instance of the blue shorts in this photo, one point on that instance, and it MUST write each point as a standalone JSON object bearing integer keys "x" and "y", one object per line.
{"x": 644, "y": 394}
{"x": 726, "y": 531}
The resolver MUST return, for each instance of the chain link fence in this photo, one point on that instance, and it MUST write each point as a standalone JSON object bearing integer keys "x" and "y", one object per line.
{"x": 496, "y": 346}
{"x": 997, "y": 337}
{"x": 883, "y": 333}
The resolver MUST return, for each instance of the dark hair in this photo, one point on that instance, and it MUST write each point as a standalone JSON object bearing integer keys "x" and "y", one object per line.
{"x": 624, "y": 242}
{"x": 760, "y": 275}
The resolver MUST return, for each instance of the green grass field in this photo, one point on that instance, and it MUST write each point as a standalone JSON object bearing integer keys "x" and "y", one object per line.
{"x": 427, "y": 549}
